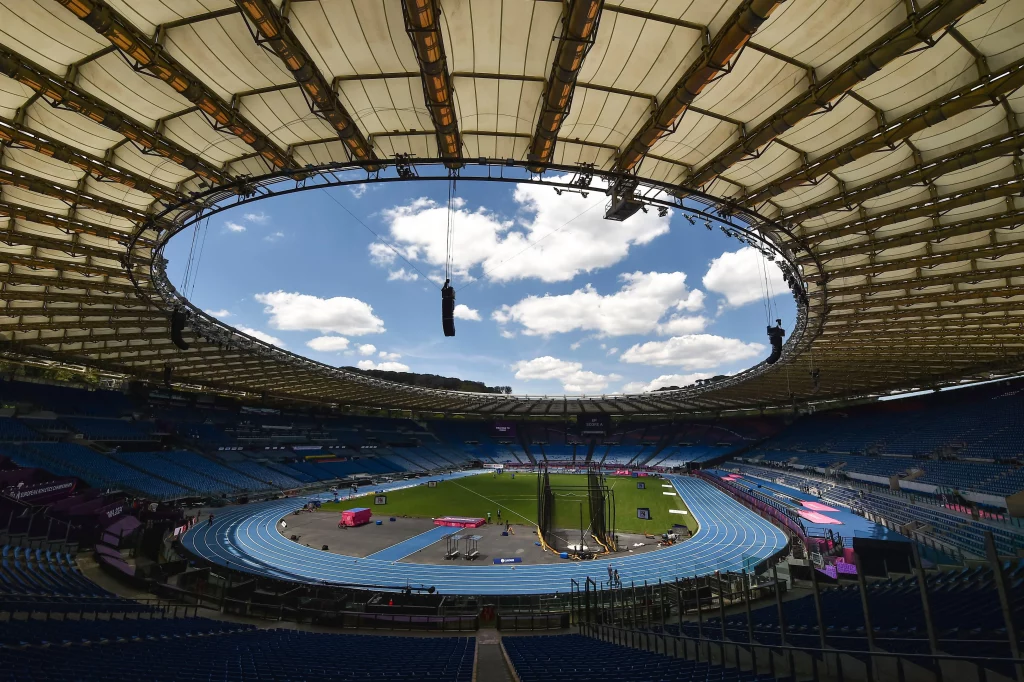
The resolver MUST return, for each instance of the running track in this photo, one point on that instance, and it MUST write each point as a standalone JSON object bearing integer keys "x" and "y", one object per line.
{"x": 730, "y": 537}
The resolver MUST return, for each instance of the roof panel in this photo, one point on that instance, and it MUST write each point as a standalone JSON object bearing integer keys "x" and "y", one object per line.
{"x": 995, "y": 29}
{"x": 225, "y": 57}
{"x": 47, "y": 34}
{"x": 110, "y": 80}
{"x": 638, "y": 57}
{"x": 920, "y": 77}
{"x": 148, "y": 14}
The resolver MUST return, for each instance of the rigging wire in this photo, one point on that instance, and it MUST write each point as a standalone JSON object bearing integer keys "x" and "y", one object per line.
{"x": 765, "y": 300}
{"x": 191, "y": 257}
{"x": 449, "y": 259}
{"x": 199, "y": 260}
{"x": 378, "y": 237}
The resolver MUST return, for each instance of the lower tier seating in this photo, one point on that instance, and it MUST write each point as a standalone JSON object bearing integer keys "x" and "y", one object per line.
{"x": 571, "y": 658}
{"x": 249, "y": 656}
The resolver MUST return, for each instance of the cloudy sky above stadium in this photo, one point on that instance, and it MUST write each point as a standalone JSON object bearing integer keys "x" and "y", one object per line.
{"x": 551, "y": 297}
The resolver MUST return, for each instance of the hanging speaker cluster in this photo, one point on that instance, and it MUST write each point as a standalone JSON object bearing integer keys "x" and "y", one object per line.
{"x": 179, "y": 318}
{"x": 775, "y": 336}
{"x": 448, "y": 308}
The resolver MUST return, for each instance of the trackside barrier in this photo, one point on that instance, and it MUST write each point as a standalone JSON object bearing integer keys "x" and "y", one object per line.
{"x": 340, "y": 617}
{"x": 804, "y": 663}
{"x": 638, "y": 613}
{"x": 85, "y": 608}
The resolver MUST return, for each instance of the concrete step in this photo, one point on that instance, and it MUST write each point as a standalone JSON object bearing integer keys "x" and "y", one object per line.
{"x": 490, "y": 662}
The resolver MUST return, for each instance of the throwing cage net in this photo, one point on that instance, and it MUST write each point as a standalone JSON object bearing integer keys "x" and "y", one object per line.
{"x": 576, "y": 519}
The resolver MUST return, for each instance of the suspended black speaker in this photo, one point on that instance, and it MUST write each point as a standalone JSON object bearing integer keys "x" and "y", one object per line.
{"x": 775, "y": 335}
{"x": 448, "y": 309}
{"x": 178, "y": 319}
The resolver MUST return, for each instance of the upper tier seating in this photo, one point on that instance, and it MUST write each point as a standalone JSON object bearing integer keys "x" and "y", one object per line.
{"x": 191, "y": 471}
{"x": 16, "y": 430}
{"x": 71, "y": 459}
{"x": 110, "y": 429}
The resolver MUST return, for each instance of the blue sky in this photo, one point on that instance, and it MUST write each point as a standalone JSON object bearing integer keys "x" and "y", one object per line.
{"x": 552, "y": 298}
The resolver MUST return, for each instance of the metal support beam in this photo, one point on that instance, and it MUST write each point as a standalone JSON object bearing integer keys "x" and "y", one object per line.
{"x": 66, "y": 95}
{"x": 423, "y": 25}
{"x": 72, "y": 197}
{"x": 66, "y": 224}
{"x": 19, "y": 136}
{"x": 579, "y": 29}
{"x": 900, "y": 40}
{"x": 272, "y": 29}
{"x": 150, "y": 56}
{"x": 932, "y": 207}
{"x": 714, "y": 60}
{"x": 975, "y": 94}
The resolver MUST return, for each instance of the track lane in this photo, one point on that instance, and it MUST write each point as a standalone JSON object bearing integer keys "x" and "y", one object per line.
{"x": 729, "y": 533}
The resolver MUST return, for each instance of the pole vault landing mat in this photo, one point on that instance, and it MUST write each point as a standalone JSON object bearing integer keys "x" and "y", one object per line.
{"x": 818, "y": 507}
{"x": 459, "y": 522}
{"x": 815, "y": 517}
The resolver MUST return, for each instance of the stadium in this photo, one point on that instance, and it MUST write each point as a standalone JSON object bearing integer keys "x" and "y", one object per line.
{"x": 664, "y": 494}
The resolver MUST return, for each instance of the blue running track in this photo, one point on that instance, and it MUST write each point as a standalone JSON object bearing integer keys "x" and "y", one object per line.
{"x": 730, "y": 538}
{"x": 413, "y": 544}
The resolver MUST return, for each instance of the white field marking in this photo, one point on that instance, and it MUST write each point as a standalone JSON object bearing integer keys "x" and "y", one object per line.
{"x": 666, "y": 485}
{"x": 672, "y": 494}
{"x": 511, "y": 511}
{"x": 677, "y": 511}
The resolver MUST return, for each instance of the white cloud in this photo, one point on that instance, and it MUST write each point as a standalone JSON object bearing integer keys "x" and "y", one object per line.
{"x": 367, "y": 349}
{"x": 679, "y": 325}
{"x": 664, "y": 380}
{"x": 571, "y": 374}
{"x": 739, "y": 276}
{"x": 273, "y": 237}
{"x": 635, "y": 309}
{"x": 506, "y": 334}
{"x": 383, "y": 366}
{"x": 340, "y": 314}
{"x": 575, "y": 346}
{"x": 357, "y": 190}
{"x": 464, "y": 312}
{"x": 381, "y": 254}
{"x": 328, "y": 344}
{"x": 565, "y": 235}
{"x": 234, "y": 227}
{"x": 260, "y": 218}
{"x": 388, "y": 356}
{"x": 224, "y": 312}
{"x": 402, "y": 275}
{"x": 262, "y": 336}
{"x": 612, "y": 351}
{"x": 692, "y": 351}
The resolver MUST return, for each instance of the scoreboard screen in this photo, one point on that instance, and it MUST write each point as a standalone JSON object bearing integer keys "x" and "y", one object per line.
{"x": 503, "y": 429}
{"x": 596, "y": 424}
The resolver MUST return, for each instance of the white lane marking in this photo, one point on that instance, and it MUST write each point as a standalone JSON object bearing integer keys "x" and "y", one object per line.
{"x": 718, "y": 545}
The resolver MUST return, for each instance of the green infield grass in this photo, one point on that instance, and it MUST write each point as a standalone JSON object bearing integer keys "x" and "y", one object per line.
{"x": 474, "y": 496}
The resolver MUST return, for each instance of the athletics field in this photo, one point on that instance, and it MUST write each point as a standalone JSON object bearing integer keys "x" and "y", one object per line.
{"x": 475, "y": 496}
